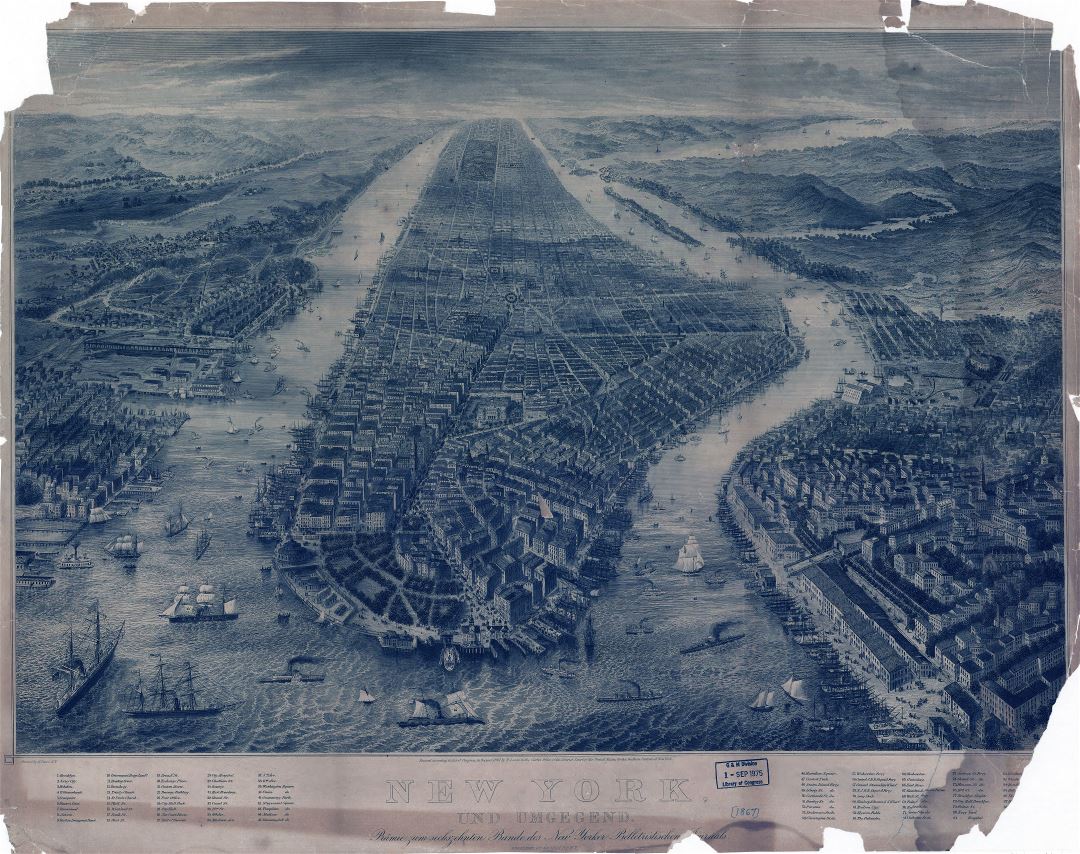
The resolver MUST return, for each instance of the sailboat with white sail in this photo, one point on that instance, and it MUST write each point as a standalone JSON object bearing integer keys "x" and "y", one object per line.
{"x": 764, "y": 701}
{"x": 796, "y": 689}
{"x": 690, "y": 559}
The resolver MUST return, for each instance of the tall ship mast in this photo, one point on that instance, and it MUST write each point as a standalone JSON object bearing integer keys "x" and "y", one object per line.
{"x": 125, "y": 547}
{"x": 176, "y": 700}
{"x": 177, "y": 522}
{"x": 202, "y": 543}
{"x": 690, "y": 559}
{"x": 81, "y": 674}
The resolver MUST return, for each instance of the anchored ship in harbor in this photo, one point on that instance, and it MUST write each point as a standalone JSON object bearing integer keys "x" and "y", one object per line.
{"x": 207, "y": 604}
{"x": 171, "y": 698}
{"x": 87, "y": 660}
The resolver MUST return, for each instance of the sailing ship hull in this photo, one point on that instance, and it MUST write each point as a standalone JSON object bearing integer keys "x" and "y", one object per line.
{"x": 419, "y": 722}
{"x": 173, "y": 713}
{"x": 64, "y": 704}
{"x": 286, "y": 679}
{"x": 709, "y": 644}
{"x": 201, "y": 618}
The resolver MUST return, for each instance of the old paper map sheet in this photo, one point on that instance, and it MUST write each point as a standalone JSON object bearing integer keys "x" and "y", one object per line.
{"x": 560, "y": 430}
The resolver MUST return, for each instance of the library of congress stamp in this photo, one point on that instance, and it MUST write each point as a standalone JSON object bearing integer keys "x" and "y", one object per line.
{"x": 740, "y": 773}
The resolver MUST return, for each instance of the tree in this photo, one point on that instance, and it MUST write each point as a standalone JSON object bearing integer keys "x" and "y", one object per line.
{"x": 27, "y": 490}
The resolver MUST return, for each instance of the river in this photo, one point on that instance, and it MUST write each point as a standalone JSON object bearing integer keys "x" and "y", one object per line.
{"x": 705, "y": 695}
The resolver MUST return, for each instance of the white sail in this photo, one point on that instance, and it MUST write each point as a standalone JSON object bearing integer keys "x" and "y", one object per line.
{"x": 366, "y": 697}
{"x": 171, "y": 610}
{"x": 764, "y": 701}
{"x": 230, "y": 607}
{"x": 796, "y": 689}
{"x": 690, "y": 559}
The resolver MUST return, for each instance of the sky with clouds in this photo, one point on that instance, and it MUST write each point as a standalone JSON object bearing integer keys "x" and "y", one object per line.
{"x": 977, "y": 78}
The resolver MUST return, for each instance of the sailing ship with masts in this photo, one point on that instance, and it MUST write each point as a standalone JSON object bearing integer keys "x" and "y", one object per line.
{"x": 453, "y": 709}
{"x": 207, "y": 604}
{"x": 764, "y": 702}
{"x": 176, "y": 700}
{"x": 202, "y": 543}
{"x": 176, "y": 522}
{"x": 82, "y": 674}
{"x": 690, "y": 560}
{"x": 796, "y": 689}
{"x": 126, "y": 547}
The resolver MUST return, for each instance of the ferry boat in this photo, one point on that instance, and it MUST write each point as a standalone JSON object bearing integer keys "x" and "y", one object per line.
{"x": 453, "y": 709}
{"x": 27, "y": 581}
{"x": 176, "y": 523}
{"x": 208, "y": 604}
{"x": 634, "y": 694}
{"x": 293, "y": 673}
{"x": 73, "y": 561}
{"x": 690, "y": 560}
{"x": 82, "y": 674}
{"x": 177, "y": 701}
{"x": 144, "y": 487}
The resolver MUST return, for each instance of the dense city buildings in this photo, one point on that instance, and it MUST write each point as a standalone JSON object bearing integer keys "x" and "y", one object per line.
{"x": 569, "y": 398}
{"x": 514, "y": 367}
{"x": 922, "y": 522}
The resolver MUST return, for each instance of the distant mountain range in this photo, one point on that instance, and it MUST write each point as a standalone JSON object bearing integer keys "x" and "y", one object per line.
{"x": 994, "y": 239}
